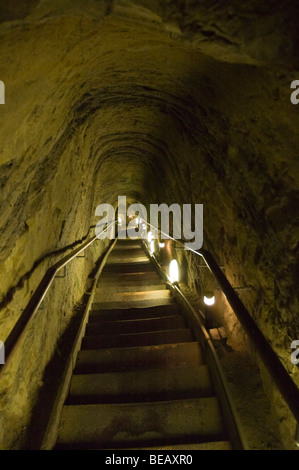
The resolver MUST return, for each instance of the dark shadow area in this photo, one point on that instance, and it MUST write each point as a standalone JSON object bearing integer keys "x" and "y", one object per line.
{"x": 52, "y": 378}
{"x": 54, "y": 371}
{"x": 16, "y": 10}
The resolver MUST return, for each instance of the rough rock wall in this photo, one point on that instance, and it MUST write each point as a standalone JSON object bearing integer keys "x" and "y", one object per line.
{"x": 162, "y": 102}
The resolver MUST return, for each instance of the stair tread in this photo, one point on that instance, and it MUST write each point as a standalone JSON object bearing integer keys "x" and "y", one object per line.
{"x": 110, "y": 274}
{"x": 139, "y": 324}
{"x": 127, "y": 243}
{"x": 210, "y": 445}
{"x": 135, "y": 313}
{"x": 148, "y": 338}
{"x": 145, "y": 385}
{"x": 133, "y": 303}
{"x": 105, "y": 289}
{"x": 129, "y": 259}
{"x": 132, "y": 299}
{"x": 132, "y": 280}
{"x": 142, "y": 295}
{"x": 139, "y": 357}
{"x": 128, "y": 249}
{"x": 98, "y": 326}
{"x": 133, "y": 267}
{"x": 154, "y": 422}
{"x": 126, "y": 262}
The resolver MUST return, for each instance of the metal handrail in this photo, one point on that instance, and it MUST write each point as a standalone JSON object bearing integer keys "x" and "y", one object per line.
{"x": 38, "y": 296}
{"x": 51, "y": 431}
{"x": 235, "y": 430}
{"x": 279, "y": 374}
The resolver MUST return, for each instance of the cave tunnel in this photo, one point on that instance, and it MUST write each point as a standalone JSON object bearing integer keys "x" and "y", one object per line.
{"x": 163, "y": 102}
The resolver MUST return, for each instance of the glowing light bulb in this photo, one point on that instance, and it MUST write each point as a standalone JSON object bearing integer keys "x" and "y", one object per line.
{"x": 174, "y": 271}
{"x": 161, "y": 245}
{"x": 209, "y": 298}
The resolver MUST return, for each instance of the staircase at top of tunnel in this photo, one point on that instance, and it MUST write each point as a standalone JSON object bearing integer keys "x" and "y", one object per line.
{"x": 140, "y": 379}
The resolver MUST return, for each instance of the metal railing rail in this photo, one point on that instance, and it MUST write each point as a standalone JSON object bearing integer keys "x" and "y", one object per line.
{"x": 20, "y": 328}
{"x": 196, "y": 322}
{"x": 232, "y": 421}
{"x": 278, "y": 373}
{"x": 49, "y": 437}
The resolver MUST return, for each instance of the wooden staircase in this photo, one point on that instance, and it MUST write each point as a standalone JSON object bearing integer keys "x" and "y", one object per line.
{"x": 140, "y": 379}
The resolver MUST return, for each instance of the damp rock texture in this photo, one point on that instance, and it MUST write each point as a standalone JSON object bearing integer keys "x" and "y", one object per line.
{"x": 161, "y": 101}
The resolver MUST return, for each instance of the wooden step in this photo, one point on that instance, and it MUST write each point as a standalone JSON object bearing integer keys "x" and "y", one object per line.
{"x": 127, "y": 248}
{"x": 143, "y": 295}
{"x": 141, "y": 386}
{"x": 135, "y": 313}
{"x": 105, "y": 288}
{"x": 130, "y": 279}
{"x": 130, "y": 276}
{"x": 99, "y": 327}
{"x": 127, "y": 244}
{"x": 182, "y": 335}
{"x": 129, "y": 267}
{"x": 133, "y": 299}
{"x": 158, "y": 423}
{"x": 128, "y": 256}
{"x": 125, "y": 304}
{"x": 142, "y": 357}
{"x": 216, "y": 445}
{"x": 127, "y": 259}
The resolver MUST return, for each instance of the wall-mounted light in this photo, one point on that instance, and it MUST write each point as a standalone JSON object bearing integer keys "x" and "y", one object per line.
{"x": 149, "y": 237}
{"x": 174, "y": 271}
{"x": 161, "y": 245}
{"x": 119, "y": 220}
{"x": 209, "y": 298}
